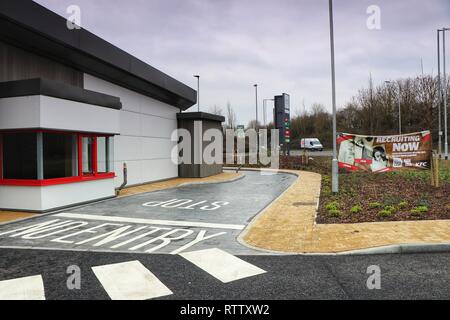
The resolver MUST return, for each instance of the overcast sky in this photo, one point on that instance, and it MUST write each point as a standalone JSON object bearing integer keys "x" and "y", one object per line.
{"x": 283, "y": 45}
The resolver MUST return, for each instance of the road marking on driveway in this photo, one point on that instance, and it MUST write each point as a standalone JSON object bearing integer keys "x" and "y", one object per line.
{"x": 130, "y": 281}
{"x": 150, "y": 221}
{"x": 28, "y": 288}
{"x": 222, "y": 265}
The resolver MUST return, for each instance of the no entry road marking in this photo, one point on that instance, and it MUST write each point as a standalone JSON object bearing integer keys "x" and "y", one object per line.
{"x": 28, "y": 288}
{"x": 150, "y": 221}
{"x": 222, "y": 265}
{"x": 130, "y": 281}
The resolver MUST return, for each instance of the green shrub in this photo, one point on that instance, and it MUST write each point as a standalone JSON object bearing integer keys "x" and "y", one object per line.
{"x": 385, "y": 213}
{"x": 334, "y": 213}
{"x": 417, "y": 211}
{"x": 448, "y": 207}
{"x": 356, "y": 209}
{"x": 326, "y": 191}
{"x": 374, "y": 205}
{"x": 423, "y": 202}
{"x": 403, "y": 204}
{"x": 332, "y": 206}
{"x": 392, "y": 209}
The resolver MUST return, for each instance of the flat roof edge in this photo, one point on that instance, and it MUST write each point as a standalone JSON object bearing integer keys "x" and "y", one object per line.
{"x": 32, "y": 26}
{"x": 32, "y": 87}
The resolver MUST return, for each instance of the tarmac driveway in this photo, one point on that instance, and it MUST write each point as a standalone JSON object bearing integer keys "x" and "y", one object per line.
{"x": 186, "y": 218}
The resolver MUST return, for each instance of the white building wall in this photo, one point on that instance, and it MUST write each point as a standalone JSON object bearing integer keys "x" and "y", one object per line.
{"x": 57, "y": 114}
{"x": 145, "y": 128}
{"x": 57, "y": 196}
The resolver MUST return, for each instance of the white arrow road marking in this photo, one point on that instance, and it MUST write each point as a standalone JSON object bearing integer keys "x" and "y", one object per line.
{"x": 28, "y": 288}
{"x": 130, "y": 281}
{"x": 150, "y": 221}
{"x": 222, "y": 265}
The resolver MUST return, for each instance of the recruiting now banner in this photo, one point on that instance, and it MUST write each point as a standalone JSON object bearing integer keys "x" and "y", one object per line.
{"x": 384, "y": 153}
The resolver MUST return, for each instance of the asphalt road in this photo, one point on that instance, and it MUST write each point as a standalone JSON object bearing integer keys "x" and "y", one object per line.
{"x": 190, "y": 217}
{"x": 406, "y": 276}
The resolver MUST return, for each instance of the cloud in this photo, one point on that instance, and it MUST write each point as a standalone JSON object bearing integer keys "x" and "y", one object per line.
{"x": 283, "y": 45}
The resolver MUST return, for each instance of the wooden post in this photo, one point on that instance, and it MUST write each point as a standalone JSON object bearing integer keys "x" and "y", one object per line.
{"x": 435, "y": 171}
{"x": 432, "y": 169}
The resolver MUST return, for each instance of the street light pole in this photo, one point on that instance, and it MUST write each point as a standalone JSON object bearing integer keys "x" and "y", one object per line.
{"x": 335, "y": 169}
{"x": 256, "y": 101}
{"x": 399, "y": 109}
{"x": 439, "y": 93}
{"x": 445, "y": 95}
{"x": 198, "y": 92}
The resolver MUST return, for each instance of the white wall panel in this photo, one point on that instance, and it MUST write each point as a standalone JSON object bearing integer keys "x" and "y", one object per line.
{"x": 127, "y": 148}
{"x": 20, "y": 198}
{"x": 156, "y": 148}
{"x": 130, "y": 123}
{"x": 75, "y": 116}
{"x": 130, "y": 100}
{"x": 52, "y": 197}
{"x": 144, "y": 141}
{"x": 157, "y": 127}
{"x": 67, "y": 194}
{"x": 19, "y": 112}
{"x": 158, "y": 170}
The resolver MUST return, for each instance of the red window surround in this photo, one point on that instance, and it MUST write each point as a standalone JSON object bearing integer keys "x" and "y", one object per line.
{"x": 66, "y": 180}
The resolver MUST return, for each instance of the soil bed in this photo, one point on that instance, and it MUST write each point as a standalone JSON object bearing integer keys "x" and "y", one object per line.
{"x": 396, "y": 196}
{"x": 368, "y": 197}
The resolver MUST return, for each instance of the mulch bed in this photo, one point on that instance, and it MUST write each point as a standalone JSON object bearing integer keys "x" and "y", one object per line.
{"x": 388, "y": 189}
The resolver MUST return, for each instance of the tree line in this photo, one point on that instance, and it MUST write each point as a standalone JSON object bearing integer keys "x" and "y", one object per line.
{"x": 374, "y": 110}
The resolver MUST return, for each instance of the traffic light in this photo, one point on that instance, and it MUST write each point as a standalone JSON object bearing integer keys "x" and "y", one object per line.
{"x": 287, "y": 130}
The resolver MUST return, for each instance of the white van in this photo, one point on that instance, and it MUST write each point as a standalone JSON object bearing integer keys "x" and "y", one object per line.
{"x": 312, "y": 144}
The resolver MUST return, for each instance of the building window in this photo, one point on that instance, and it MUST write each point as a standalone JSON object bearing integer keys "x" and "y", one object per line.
{"x": 42, "y": 158}
{"x": 87, "y": 147}
{"x": 19, "y": 156}
{"x": 60, "y": 155}
{"x": 103, "y": 154}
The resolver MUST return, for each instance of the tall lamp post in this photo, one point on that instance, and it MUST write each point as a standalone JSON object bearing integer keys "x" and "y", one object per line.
{"x": 256, "y": 105}
{"x": 198, "y": 92}
{"x": 335, "y": 169}
{"x": 399, "y": 107}
{"x": 439, "y": 93}
{"x": 445, "y": 95}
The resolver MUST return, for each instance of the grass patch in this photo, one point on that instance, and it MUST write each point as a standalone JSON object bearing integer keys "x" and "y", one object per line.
{"x": 418, "y": 211}
{"x": 356, "y": 209}
{"x": 384, "y": 213}
{"x": 375, "y": 205}
{"x": 335, "y": 213}
{"x": 403, "y": 205}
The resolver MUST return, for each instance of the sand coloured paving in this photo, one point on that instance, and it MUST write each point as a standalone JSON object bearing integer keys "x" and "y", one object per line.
{"x": 7, "y": 216}
{"x": 173, "y": 183}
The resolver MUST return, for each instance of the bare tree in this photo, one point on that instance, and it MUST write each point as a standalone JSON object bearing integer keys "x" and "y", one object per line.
{"x": 216, "y": 110}
{"x": 231, "y": 117}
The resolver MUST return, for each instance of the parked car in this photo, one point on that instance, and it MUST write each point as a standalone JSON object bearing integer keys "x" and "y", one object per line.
{"x": 312, "y": 144}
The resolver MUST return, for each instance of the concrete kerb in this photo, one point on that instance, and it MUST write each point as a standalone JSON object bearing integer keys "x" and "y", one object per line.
{"x": 407, "y": 248}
